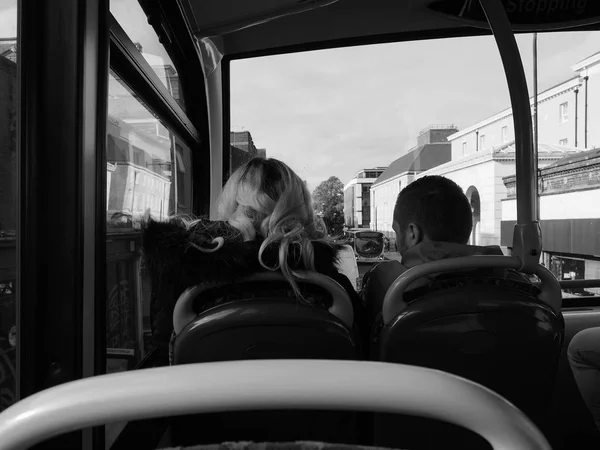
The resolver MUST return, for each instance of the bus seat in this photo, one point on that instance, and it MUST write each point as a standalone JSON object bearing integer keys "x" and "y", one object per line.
{"x": 307, "y": 445}
{"x": 265, "y": 321}
{"x": 494, "y": 331}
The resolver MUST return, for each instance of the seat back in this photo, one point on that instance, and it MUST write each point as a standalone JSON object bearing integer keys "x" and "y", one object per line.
{"x": 490, "y": 330}
{"x": 263, "y": 320}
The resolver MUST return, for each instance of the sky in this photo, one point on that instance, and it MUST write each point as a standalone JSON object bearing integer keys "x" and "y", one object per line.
{"x": 8, "y": 18}
{"x": 335, "y": 112}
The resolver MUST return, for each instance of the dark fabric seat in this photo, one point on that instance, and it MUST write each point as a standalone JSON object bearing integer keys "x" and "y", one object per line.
{"x": 265, "y": 321}
{"x": 275, "y": 446}
{"x": 490, "y": 330}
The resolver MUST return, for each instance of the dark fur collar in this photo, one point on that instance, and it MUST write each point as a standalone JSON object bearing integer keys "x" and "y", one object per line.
{"x": 168, "y": 252}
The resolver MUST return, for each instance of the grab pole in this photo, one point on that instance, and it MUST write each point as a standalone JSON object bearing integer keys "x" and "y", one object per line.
{"x": 527, "y": 235}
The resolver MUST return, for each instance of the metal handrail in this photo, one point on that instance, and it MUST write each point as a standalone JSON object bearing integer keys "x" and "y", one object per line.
{"x": 184, "y": 312}
{"x": 591, "y": 283}
{"x": 393, "y": 303}
{"x": 527, "y": 238}
{"x": 268, "y": 384}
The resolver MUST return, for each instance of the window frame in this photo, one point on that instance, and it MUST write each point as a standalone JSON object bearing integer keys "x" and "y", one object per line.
{"x": 133, "y": 70}
{"x": 504, "y": 134}
{"x": 563, "y": 112}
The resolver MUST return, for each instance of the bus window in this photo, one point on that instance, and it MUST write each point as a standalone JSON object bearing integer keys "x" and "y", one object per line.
{"x": 8, "y": 202}
{"x": 568, "y": 102}
{"x": 133, "y": 20}
{"x": 148, "y": 172}
{"x": 379, "y": 126}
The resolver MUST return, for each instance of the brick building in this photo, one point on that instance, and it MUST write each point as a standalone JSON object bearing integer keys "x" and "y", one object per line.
{"x": 242, "y": 149}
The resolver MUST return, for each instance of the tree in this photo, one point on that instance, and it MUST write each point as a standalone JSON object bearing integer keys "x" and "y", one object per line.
{"x": 328, "y": 202}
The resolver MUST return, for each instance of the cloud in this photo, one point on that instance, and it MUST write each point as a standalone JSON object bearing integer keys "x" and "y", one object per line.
{"x": 8, "y": 18}
{"x": 334, "y": 112}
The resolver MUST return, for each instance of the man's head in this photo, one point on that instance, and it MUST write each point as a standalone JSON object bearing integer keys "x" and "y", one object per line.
{"x": 432, "y": 208}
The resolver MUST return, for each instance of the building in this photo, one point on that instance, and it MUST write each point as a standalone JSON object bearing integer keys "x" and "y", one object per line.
{"x": 565, "y": 115}
{"x": 483, "y": 155}
{"x": 569, "y": 216}
{"x": 481, "y": 175}
{"x": 357, "y": 199}
{"x": 432, "y": 150}
{"x": 242, "y": 149}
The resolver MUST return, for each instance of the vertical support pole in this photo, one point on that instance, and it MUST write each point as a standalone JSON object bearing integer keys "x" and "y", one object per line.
{"x": 527, "y": 234}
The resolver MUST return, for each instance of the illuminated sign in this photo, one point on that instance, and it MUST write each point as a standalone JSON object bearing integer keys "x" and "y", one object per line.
{"x": 527, "y": 14}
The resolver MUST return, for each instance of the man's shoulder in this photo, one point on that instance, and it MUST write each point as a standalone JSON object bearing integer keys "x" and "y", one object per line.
{"x": 387, "y": 269}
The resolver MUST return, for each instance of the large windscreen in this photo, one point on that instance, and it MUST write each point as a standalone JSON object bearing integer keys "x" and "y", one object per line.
{"x": 368, "y": 245}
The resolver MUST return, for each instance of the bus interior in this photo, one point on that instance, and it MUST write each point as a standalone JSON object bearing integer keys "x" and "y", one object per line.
{"x": 114, "y": 109}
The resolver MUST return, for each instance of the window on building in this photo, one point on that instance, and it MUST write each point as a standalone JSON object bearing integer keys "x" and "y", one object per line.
{"x": 481, "y": 141}
{"x": 464, "y": 148}
{"x": 564, "y": 112}
{"x": 399, "y": 186}
{"x": 563, "y": 141}
{"x": 504, "y": 134}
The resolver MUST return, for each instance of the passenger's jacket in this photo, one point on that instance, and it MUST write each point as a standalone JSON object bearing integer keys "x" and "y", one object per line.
{"x": 377, "y": 280}
{"x": 173, "y": 264}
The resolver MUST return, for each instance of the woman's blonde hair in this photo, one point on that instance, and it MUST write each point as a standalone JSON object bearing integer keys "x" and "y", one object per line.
{"x": 266, "y": 199}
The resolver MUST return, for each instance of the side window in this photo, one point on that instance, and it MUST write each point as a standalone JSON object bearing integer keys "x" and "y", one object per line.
{"x": 464, "y": 148}
{"x": 148, "y": 173}
{"x": 504, "y": 134}
{"x": 481, "y": 142}
{"x": 563, "y": 141}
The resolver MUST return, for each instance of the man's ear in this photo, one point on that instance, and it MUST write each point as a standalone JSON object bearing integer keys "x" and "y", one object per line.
{"x": 414, "y": 235}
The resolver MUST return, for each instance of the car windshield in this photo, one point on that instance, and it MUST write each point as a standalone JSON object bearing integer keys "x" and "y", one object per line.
{"x": 369, "y": 245}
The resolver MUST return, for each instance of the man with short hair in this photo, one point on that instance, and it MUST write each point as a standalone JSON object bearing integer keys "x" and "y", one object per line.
{"x": 433, "y": 221}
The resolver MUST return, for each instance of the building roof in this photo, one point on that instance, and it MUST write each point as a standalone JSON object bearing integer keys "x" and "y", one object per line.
{"x": 7, "y": 44}
{"x": 420, "y": 159}
{"x": 586, "y": 157}
{"x": 544, "y": 150}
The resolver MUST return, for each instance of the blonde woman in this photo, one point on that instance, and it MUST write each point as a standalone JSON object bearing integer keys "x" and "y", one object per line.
{"x": 266, "y": 223}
